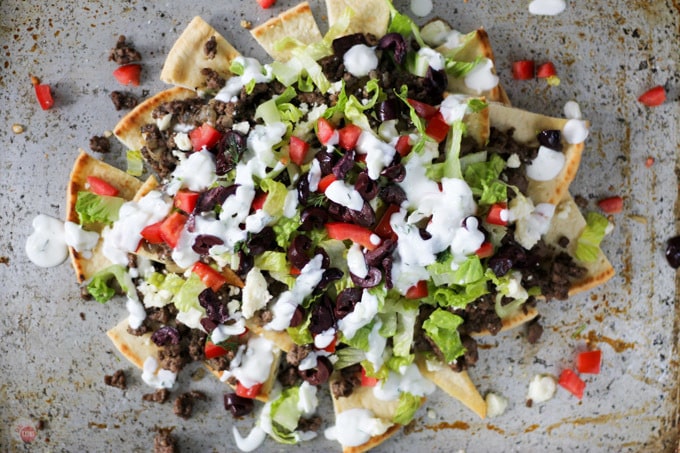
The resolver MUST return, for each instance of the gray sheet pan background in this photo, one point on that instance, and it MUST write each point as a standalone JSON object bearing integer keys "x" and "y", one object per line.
{"x": 53, "y": 351}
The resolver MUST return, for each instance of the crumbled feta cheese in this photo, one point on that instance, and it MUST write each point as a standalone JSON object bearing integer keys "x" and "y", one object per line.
{"x": 495, "y": 404}
{"x": 547, "y": 7}
{"x": 541, "y": 388}
{"x": 547, "y": 164}
{"x": 255, "y": 293}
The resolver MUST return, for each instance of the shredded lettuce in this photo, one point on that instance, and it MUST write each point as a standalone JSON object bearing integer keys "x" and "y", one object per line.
{"x": 348, "y": 357}
{"x": 301, "y": 334}
{"x": 285, "y": 415}
{"x": 442, "y": 328}
{"x": 187, "y": 296}
{"x": 284, "y": 229}
{"x": 588, "y": 243}
{"x": 268, "y": 111}
{"x": 407, "y": 408}
{"x": 450, "y": 168}
{"x": 276, "y": 263}
{"x": 93, "y": 208}
{"x": 237, "y": 67}
{"x": 458, "y": 69}
{"x": 339, "y": 106}
{"x": 476, "y": 105}
{"x": 276, "y": 197}
{"x": 360, "y": 338}
{"x": 417, "y": 121}
{"x": 404, "y": 25}
{"x": 469, "y": 271}
{"x": 482, "y": 177}
{"x": 99, "y": 288}
{"x": 135, "y": 163}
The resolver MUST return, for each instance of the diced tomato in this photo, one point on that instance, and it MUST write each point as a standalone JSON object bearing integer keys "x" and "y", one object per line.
{"x": 404, "y": 145}
{"x": 437, "y": 128}
{"x": 485, "y": 250}
{"x": 297, "y": 150}
{"x": 546, "y": 70}
{"x": 172, "y": 227}
{"x": 367, "y": 381}
{"x": 349, "y": 136}
{"x": 204, "y": 136}
{"x": 128, "y": 74}
{"x": 384, "y": 229}
{"x": 101, "y": 187}
{"x": 523, "y": 69}
{"x": 611, "y": 205}
{"x": 498, "y": 214}
{"x": 571, "y": 382}
{"x": 324, "y": 130}
{"x": 649, "y": 162}
{"x": 44, "y": 95}
{"x": 417, "y": 291}
{"x": 589, "y": 362}
{"x": 423, "y": 110}
{"x": 331, "y": 346}
{"x": 209, "y": 276}
{"x": 355, "y": 233}
{"x": 294, "y": 271}
{"x": 266, "y": 3}
{"x": 653, "y": 97}
{"x": 258, "y": 201}
{"x": 248, "y": 392}
{"x": 326, "y": 181}
{"x": 186, "y": 200}
{"x": 152, "y": 233}
{"x": 212, "y": 350}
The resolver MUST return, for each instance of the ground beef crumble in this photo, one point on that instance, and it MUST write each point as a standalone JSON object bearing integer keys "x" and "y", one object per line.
{"x": 210, "y": 48}
{"x": 159, "y": 396}
{"x": 124, "y": 53}
{"x": 123, "y": 100}
{"x": 184, "y": 403}
{"x": 164, "y": 441}
{"x": 100, "y": 144}
{"x": 116, "y": 380}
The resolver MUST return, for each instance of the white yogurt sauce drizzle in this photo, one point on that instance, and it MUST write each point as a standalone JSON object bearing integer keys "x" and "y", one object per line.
{"x": 46, "y": 246}
{"x": 547, "y": 7}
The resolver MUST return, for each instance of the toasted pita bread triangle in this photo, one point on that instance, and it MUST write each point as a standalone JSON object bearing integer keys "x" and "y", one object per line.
{"x": 457, "y": 385}
{"x": 526, "y": 125}
{"x": 362, "y": 398}
{"x": 569, "y": 222}
{"x": 477, "y": 45}
{"x": 134, "y": 348}
{"x": 87, "y": 264}
{"x": 129, "y": 128}
{"x": 297, "y": 23}
{"x": 370, "y": 16}
{"x": 187, "y": 57}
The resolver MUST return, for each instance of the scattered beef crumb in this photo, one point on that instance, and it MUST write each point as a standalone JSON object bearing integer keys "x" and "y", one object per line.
{"x": 213, "y": 81}
{"x": 265, "y": 316}
{"x": 123, "y": 100}
{"x": 82, "y": 316}
{"x": 164, "y": 441}
{"x": 350, "y": 378}
{"x": 563, "y": 241}
{"x": 184, "y": 403}
{"x": 580, "y": 201}
{"x": 534, "y": 330}
{"x": 124, "y": 53}
{"x": 309, "y": 424}
{"x": 159, "y": 396}
{"x": 288, "y": 376}
{"x": 117, "y": 380}
{"x": 210, "y": 48}
{"x": 100, "y": 144}
{"x": 84, "y": 293}
{"x": 40, "y": 425}
{"x": 530, "y": 402}
{"x": 297, "y": 354}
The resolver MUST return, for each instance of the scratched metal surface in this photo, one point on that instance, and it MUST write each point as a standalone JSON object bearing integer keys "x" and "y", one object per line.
{"x": 53, "y": 351}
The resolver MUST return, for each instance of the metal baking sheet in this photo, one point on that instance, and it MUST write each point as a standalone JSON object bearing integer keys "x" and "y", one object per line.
{"x": 53, "y": 350}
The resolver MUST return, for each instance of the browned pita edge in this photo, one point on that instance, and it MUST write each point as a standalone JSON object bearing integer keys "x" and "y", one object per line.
{"x": 457, "y": 385}
{"x": 569, "y": 222}
{"x": 134, "y": 348}
{"x": 370, "y": 16}
{"x": 129, "y": 128}
{"x": 522, "y": 316}
{"x": 362, "y": 398}
{"x": 268, "y": 385}
{"x": 281, "y": 339}
{"x": 297, "y": 22}
{"x": 526, "y": 125}
{"x": 475, "y": 47}
{"x": 187, "y": 57}
{"x": 85, "y": 265}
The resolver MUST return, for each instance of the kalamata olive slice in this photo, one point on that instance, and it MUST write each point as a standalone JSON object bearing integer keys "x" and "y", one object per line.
{"x": 375, "y": 257}
{"x": 229, "y": 150}
{"x": 344, "y": 165}
{"x": 262, "y": 241}
{"x": 203, "y": 242}
{"x": 237, "y": 405}
{"x": 389, "y": 109}
{"x": 387, "y": 268}
{"x": 436, "y": 81}
{"x": 395, "y": 173}
{"x": 329, "y": 276}
{"x": 372, "y": 279}
{"x": 298, "y": 317}
{"x": 208, "y": 324}
{"x": 507, "y": 257}
{"x": 326, "y": 161}
{"x": 215, "y": 310}
{"x": 303, "y": 190}
{"x": 673, "y": 252}
{"x": 313, "y": 218}
{"x": 298, "y": 250}
{"x": 246, "y": 262}
{"x": 322, "y": 316}
{"x": 365, "y": 217}
{"x": 550, "y": 138}
{"x": 346, "y": 300}
{"x": 393, "y": 194}
{"x": 209, "y": 199}
{"x": 165, "y": 335}
{"x": 396, "y": 43}
{"x": 320, "y": 374}
{"x": 367, "y": 188}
